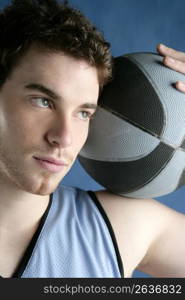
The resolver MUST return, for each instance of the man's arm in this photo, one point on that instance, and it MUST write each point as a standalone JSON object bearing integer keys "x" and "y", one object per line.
{"x": 150, "y": 235}
{"x": 165, "y": 256}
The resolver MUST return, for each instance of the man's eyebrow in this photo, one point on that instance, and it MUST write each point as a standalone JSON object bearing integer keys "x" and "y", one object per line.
{"x": 43, "y": 89}
{"x": 89, "y": 105}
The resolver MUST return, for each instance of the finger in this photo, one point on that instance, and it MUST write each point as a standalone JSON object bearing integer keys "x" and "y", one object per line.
{"x": 166, "y": 51}
{"x": 180, "y": 86}
{"x": 174, "y": 64}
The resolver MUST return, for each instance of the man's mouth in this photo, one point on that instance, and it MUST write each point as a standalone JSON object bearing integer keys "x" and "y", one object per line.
{"x": 51, "y": 164}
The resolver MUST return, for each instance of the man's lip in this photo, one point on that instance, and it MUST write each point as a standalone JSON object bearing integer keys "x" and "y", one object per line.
{"x": 52, "y": 160}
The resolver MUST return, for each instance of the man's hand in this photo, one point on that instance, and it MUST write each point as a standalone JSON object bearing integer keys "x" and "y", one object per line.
{"x": 175, "y": 60}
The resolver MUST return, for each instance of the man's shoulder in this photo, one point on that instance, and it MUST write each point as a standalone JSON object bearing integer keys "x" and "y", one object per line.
{"x": 72, "y": 195}
{"x": 134, "y": 211}
{"x": 129, "y": 206}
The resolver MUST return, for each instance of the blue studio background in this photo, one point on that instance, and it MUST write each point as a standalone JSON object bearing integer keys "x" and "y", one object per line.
{"x": 131, "y": 26}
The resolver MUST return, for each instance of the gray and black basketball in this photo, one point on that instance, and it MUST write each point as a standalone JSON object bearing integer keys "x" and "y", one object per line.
{"x": 136, "y": 142}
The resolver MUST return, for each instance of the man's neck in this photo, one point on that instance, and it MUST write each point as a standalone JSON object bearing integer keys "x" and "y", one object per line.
{"x": 20, "y": 214}
{"x": 20, "y": 209}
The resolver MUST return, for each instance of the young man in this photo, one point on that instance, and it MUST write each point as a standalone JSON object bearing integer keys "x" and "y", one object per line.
{"x": 53, "y": 65}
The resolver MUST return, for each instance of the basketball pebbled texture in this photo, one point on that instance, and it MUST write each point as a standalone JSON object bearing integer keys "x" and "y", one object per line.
{"x": 136, "y": 142}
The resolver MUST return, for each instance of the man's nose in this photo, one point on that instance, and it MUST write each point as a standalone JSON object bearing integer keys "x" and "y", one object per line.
{"x": 60, "y": 133}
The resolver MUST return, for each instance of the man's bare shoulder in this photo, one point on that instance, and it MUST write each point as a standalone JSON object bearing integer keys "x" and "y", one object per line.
{"x": 139, "y": 224}
{"x": 132, "y": 208}
{"x": 147, "y": 216}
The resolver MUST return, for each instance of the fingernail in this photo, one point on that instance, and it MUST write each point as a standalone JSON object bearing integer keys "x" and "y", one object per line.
{"x": 162, "y": 46}
{"x": 181, "y": 84}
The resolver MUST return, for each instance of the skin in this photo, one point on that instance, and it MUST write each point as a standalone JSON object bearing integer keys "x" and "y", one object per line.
{"x": 57, "y": 136}
{"x": 33, "y": 123}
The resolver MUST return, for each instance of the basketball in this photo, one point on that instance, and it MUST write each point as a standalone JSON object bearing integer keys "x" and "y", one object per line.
{"x": 136, "y": 142}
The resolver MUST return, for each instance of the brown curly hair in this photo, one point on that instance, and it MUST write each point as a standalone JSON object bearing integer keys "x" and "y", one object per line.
{"x": 54, "y": 26}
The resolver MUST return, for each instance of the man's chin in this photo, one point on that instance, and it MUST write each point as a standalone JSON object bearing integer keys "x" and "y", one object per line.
{"x": 43, "y": 188}
{"x": 43, "y": 193}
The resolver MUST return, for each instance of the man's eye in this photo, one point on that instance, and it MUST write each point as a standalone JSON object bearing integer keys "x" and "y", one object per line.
{"x": 85, "y": 115}
{"x": 42, "y": 102}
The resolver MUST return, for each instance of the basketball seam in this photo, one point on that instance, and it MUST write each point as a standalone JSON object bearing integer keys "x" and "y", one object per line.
{"x": 141, "y": 127}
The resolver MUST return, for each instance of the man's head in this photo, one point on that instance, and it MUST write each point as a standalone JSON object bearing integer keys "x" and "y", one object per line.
{"x": 55, "y": 26}
{"x": 50, "y": 83}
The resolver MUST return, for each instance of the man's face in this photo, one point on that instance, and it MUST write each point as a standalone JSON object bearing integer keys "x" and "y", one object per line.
{"x": 45, "y": 106}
